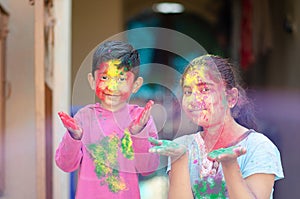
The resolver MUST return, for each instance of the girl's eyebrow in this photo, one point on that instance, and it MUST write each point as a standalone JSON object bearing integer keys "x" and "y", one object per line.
{"x": 204, "y": 84}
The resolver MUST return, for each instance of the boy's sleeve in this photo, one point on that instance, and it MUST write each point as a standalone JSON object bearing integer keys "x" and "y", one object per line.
{"x": 146, "y": 163}
{"x": 69, "y": 153}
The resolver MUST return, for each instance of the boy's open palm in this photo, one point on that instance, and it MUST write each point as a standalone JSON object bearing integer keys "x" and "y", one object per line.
{"x": 71, "y": 125}
{"x": 138, "y": 123}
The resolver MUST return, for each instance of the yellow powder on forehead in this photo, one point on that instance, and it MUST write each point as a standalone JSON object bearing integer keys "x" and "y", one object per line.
{"x": 113, "y": 70}
{"x": 195, "y": 72}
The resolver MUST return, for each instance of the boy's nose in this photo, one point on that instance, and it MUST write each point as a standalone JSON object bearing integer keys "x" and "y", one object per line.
{"x": 112, "y": 85}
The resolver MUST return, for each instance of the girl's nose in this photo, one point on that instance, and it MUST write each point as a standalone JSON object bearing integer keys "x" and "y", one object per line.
{"x": 197, "y": 100}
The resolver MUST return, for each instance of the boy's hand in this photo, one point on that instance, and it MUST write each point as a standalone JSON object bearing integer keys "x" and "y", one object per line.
{"x": 70, "y": 123}
{"x": 225, "y": 155}
{"x": 138, "y": 123}
{"x": 167, "y": 148}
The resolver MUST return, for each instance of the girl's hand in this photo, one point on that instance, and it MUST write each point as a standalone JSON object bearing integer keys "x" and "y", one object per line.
{"x": 167, "y": 148}
{"x": 138, "y": 123}
{"x": 225, "y": 155}
{"x": 70, "y": 123}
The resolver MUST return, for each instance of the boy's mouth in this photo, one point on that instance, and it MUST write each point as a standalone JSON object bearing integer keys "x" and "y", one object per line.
{"x": 111, "y": 95}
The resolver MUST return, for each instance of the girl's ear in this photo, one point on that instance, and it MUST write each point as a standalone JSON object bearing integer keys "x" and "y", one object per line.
{"x": 91, "y": 81}
{"x": 232, "y": 97}
{"x": 137, "y": 84}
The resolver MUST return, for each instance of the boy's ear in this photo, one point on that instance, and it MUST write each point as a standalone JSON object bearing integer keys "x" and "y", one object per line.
{"x": 137, "y": 84}
{"x": 91, "y": 81}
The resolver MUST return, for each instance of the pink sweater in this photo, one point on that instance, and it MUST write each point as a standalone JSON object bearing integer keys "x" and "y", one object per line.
{"x": 108, "y": 161}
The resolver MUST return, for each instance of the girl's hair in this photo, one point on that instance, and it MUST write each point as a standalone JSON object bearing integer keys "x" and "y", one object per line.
{"x": 120, "y": 50}
{"x": 243, "y": 111}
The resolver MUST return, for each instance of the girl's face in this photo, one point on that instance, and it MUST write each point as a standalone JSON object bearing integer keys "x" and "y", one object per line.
{"x": 113, "y": 86}
{"x": 204, "y": 98}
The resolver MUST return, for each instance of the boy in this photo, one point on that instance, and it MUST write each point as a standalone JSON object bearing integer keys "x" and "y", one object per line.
{"x": 108, "y": 141}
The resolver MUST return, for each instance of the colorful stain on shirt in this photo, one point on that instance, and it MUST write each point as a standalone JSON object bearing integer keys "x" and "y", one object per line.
{"x": 105, "y": 156}
{"x": 126, "y": 145}
{"x": 211, "y": 187}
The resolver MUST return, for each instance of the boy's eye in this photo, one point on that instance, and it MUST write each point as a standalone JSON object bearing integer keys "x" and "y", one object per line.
{"x": 103, "y": 77}
{"x": 122, "y": 79}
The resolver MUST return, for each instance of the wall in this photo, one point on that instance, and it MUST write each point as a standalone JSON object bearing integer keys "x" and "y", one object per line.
{"x": 282, "y": 101}
{"x": 20, "y": 119}
{"x": 61, "y": 87}
{"x": 92, "y": 23}
{"x": 282, "y": 68}
{"x": 20, "y": 147}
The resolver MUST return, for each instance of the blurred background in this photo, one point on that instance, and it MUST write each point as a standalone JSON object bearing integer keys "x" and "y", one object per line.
{"x": 44, "y": 48}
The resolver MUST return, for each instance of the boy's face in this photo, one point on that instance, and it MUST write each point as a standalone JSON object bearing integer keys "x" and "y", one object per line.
{"x": 113, "y": 86}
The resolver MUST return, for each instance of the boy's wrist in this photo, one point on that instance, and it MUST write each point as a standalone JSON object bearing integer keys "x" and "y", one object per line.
{"x": 75, "y": 136}
{"x": 134, "y": 130}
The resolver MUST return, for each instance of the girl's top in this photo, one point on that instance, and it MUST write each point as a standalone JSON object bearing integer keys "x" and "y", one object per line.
{"x": 207, "y": 178}
{"x": 109, "y": 159}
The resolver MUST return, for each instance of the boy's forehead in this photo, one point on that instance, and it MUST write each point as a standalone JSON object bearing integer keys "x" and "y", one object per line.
{"x": 110, "y": 63}
{"x": 111, "y": 67}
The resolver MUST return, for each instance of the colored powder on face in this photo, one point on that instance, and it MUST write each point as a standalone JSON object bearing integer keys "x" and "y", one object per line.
{"x": 126, "y": 145}
{"x": 113, "y": 70}
{"x": 214, "y": 154}
{"x": 113, "y": 84}
{"x": 194, "y": 75}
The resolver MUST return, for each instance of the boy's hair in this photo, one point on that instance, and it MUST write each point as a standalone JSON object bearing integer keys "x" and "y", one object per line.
{"x": 120, "y": 50}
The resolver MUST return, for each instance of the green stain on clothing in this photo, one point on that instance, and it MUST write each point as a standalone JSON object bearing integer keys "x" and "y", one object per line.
{"x": 126, "y": 145}
{"x": 209, "y": 189}
{"x": 105, "y": 157}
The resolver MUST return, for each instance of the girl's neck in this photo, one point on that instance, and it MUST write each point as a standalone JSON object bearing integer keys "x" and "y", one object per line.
{"x": 222, "y": 135}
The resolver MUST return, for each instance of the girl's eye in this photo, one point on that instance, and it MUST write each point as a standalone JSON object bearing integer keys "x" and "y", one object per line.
{"x": 204, "y": 89}
{"x": 187, "y": 92}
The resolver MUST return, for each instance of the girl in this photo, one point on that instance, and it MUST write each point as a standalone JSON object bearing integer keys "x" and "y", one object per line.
{"x": 227, "y": 159}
